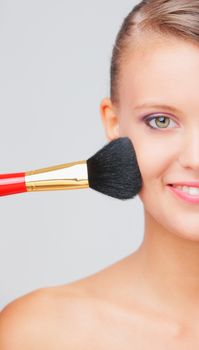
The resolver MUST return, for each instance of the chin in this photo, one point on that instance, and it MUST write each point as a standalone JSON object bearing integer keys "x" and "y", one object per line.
{"x": 188, "y": 231}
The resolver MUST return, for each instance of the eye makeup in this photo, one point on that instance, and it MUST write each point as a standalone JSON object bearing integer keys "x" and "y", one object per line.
{"x": 147, "y": 119}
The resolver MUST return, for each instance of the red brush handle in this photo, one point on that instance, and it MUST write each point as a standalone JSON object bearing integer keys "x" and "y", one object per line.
{"x": 12, "y": 183}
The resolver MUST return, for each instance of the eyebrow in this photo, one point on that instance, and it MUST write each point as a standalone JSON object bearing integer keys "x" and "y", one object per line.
{"x": 170, "y": 108}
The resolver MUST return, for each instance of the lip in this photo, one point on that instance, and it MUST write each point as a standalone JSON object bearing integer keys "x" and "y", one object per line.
{"x": 184, "y": 196}
{"x": 188, "y": 184}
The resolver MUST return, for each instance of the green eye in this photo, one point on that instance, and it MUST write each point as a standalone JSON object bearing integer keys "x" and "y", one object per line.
{"x": 161, "y": 122}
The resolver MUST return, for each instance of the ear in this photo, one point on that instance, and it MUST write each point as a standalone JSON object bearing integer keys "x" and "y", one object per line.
{"x": 109, "y": 119}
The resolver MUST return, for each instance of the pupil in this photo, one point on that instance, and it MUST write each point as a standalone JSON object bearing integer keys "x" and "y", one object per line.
{"x": 163, "y": 120}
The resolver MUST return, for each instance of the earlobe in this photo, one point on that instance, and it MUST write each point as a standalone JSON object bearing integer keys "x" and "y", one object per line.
{"x": 109, "y": 119}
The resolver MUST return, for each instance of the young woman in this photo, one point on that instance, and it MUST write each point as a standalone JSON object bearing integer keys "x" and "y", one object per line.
{"x": 151, "y": 297}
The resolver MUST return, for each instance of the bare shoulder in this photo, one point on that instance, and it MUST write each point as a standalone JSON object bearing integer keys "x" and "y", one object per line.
{"x": 45, "y": 317}
{"x": 64, "y": 317}
{"x": 16, "y": 320}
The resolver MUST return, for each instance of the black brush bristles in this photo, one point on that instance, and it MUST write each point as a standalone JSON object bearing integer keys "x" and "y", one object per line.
{"x": 114, "y": 170}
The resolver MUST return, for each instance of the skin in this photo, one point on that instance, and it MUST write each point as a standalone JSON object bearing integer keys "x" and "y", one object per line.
{"x": 151, "y": 296}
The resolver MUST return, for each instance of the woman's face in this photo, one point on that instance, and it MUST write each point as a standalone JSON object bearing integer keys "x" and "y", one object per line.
{"x": 161, "y": 72}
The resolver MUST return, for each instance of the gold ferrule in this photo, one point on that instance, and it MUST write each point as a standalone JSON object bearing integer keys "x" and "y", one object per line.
{"x": 69, "y": 176}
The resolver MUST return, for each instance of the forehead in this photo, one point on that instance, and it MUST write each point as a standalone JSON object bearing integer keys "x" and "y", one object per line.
{"x": 160, "y": 67}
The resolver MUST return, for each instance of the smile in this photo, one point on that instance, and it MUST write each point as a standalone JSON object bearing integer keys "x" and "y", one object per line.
{"x": 188, "y": 194}
{"x": 189, "y": 190}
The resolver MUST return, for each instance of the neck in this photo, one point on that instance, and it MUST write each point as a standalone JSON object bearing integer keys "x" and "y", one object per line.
{"x": 169, "y": 270}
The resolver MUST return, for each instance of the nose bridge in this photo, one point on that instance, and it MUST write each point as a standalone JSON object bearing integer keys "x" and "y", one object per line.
{"x": 190, "y": 149}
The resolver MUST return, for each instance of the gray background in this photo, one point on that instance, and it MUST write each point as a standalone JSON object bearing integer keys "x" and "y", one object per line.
{"x": 54, "y": 71}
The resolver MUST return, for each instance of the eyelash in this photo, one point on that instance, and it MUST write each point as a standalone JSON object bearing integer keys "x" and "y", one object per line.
{"x": 148, "y": 119}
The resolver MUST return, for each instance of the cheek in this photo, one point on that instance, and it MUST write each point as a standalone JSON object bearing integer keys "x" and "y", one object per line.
{"x": 155, "y": 151}
{"x": 153, "y": 157}
{"x": 154, "y": 160}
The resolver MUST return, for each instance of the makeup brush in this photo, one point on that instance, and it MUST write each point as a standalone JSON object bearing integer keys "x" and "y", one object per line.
{"x": 113, "y": 171}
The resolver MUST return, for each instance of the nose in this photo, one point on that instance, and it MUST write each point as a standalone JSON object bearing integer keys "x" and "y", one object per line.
{"x": 189, "y": 155}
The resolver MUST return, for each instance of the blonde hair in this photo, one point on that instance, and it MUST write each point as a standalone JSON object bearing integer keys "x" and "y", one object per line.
{"x": 179, "y": 18}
